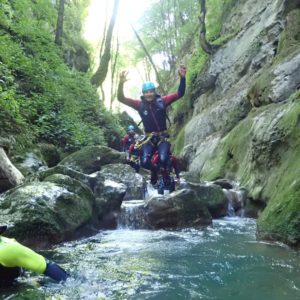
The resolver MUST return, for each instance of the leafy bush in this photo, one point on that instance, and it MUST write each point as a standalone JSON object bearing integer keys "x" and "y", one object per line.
{"x": 40, "y": 94}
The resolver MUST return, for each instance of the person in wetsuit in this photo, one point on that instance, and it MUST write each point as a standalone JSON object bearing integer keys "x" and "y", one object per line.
{"x": 128, "y": 139}
{"x": 152, "y": 110}
{"x": 14, "y": 257}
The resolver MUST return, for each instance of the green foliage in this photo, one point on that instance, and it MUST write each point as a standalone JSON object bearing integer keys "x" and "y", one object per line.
{"x": 40, "y": 95}
{"x": 196, "y": 65}
{"x": 213, "y": 21}
{"x": 168, "y": 29}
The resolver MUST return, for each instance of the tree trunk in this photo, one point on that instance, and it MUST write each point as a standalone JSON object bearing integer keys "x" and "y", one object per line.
{"x": 60, "y": 22}
{"x": 10, "y": 176}
{"x": 101, "y": 43}
{"x": 101, "y": 73}
{"x": 205, "y": 45}
{"x": 113, "y": 72}
{"x": 150, "y": 59}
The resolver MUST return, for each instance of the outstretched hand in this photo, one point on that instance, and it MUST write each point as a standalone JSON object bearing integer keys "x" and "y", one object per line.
{"x": 182, "y": 71}
{"x": 123, "y": 76}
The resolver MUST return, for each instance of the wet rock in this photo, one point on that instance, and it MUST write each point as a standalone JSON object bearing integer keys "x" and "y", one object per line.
{"x": 123, "y": 173}
{"x": 223, "y": 183}
{"x": 182, "y": 208}
{"x": 30, "y": 162}
{"x": 212, "y": 196}
{"x": 91, "y": 158}
{"x": 42, "y": 213}
{"x": 109, "y": 196}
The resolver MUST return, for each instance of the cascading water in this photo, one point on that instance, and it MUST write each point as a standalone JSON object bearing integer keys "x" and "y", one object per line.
{"x": 236, "y": 202}
{"x": 132, "y": 215}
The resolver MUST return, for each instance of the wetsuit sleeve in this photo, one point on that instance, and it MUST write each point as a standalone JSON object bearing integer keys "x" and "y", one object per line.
{"x": 55, "y": 272}
{"x": 168, "y": 99}
{"x": 13, "y": 254}
{"x": 135, "y": 104}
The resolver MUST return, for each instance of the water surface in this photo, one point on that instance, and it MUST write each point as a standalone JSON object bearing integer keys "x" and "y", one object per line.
{"x": 223, "y": 261}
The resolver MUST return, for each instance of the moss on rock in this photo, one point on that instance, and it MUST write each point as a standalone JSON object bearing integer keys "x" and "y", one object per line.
{"x": 262, "y": 153}
{"x": 91, "y": 158}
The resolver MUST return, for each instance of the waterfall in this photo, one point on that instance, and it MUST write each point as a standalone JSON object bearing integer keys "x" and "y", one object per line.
{"x": 132, "y": 215}
{"x": 230, "y": 206}
{"x": 236, "y": 202}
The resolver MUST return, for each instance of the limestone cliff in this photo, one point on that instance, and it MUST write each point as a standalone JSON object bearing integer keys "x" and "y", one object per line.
{"x": 246, "y": 113}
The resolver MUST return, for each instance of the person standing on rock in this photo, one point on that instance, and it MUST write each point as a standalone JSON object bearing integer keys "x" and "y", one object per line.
{"x": 128, "y": 139}
{"x": 14, "y": 257}
{"x": 152, "y": 110}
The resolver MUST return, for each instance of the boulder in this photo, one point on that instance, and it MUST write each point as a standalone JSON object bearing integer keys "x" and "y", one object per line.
{"x": 181, "y": 208}
{"x": 212, "y": 196}
{"x": 91, "y": 158}
{"x": 42, "y": 213}
{"x": 123, "y": 173}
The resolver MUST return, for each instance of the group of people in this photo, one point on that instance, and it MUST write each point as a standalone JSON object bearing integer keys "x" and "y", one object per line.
{"x": 155, "y": 150}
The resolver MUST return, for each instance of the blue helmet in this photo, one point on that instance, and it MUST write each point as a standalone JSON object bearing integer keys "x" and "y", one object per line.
{"x": 130, "y": 128}
{"x": 148, "y": 86}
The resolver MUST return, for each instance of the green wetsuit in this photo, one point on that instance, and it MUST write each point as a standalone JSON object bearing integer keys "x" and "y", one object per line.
{"x": 13, "y": 254}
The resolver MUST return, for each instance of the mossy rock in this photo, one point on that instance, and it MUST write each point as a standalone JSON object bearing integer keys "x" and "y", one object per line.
{"x": 90, "y": 159}
{"x": 42, "y": 213}
{"x": 50, "y": 154}
{"x": 72, "y": 185}
{"x": 212, "y": 196}
{"x": 281, "y": 218}
{"x": 263, "y": 154}
{"x": 181, "y": 208}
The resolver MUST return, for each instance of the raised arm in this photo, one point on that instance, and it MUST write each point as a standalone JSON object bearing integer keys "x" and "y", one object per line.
{"x": 181, "y": 88}
{"x": 127, "y": 101}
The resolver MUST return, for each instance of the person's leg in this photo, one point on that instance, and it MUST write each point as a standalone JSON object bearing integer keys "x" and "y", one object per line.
{"x": 146, "y": 154}
{"x": 147, "y": 151}
{"x": 164, "y": 154}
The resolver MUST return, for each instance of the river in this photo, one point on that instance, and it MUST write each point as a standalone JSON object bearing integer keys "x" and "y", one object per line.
{"x": 223, "y": 261}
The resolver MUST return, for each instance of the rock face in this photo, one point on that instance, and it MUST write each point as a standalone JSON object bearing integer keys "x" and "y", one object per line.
{"x": 246, "y": 127}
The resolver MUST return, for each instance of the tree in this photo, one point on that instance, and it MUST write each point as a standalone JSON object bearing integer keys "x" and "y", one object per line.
{"x": 205, "y": 45}
{"x": 113, "y": 74}
{"x": 168, "y": 29}
{"x": 60, "y": 22}
{"x": 149, "y": 58}
{"x": 101, "y": 73}
{"x": 7, "y": 170}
